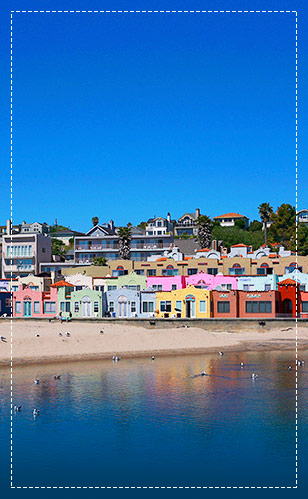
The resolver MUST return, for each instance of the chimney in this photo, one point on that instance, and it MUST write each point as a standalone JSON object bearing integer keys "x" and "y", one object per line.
{"x": 168, "y": 217}
{"x": 9, "y": 227}
{"x": 197, "y": 213}
{"x": 111, "y": 223}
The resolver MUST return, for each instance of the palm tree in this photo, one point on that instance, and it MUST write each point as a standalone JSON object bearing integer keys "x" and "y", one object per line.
{"x": 95, "y": 221}
{"x": 125, "y": 235}
{"x": 266, "y": 212}
{"x": 99, "y": 261}
{"x": 204, "y": 226}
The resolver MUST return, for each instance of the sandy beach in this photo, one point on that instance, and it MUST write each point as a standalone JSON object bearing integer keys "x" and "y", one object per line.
{"x": 85, "y": 341}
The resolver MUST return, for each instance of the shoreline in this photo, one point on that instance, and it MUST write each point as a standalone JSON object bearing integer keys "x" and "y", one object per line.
{"x": 85, "y": 342}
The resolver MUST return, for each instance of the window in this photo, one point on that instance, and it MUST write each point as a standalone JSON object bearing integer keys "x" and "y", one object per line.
{"x": 18, "y": 307}
{"x": 14, "y": 288}
{"x": 96, "y": 307}
{"x": 170, "y": 271}
{"x": 36, "y": 307}
{"x": 133, "y": 307}
{"x": 50, "y": 307}
{"x": 43, "y": 250}
{"x": 213, "y": 271}
{"x": 165, "y": 306}
{"x": 76, "y": 307}
{"x": 151, "y": 272}
{"x": 248, "y": 287}
{"x": 8, "y": 302}
{"x": 111, "y": 306}
{"x": 173, "y": 287}
{"x": 202, "y": 306}
{"x": 139, "y": 271}
{"x": 267, "y": 287}
{"x": 258, "y": 307}
{"x": 35, "y": 288}
{"x": 236, "y": 270}
{"x": 304, "y": 306}
{"x": 178, "y": 306}
{"x": 148, "y": 306}
{"x": 192, "y": 271}
{"x": 65, "y": 306}
{"x": 78, "y": 288}
{"x": 157, "y": 287}
{"x": 111, "y": 288}
{"x": 302, "y": 287}
{"x": 223, "y": 307}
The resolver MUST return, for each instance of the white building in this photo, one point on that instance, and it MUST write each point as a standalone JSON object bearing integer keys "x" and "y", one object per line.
{"x": 22, "y": 253}
{"x": 229, "y": 219}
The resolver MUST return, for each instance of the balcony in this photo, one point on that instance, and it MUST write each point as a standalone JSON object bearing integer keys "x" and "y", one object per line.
{"x": 98, "y": 247}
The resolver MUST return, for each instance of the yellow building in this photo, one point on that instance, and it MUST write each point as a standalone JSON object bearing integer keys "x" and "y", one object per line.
{"x": 189, "y": 302}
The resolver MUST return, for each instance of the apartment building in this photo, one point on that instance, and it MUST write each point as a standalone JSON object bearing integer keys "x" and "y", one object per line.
{"x": 22, "y": 253}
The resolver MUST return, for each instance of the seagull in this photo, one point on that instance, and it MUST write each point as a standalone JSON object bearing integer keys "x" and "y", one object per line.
{"x": 58, "y": 376}
{"x": 153, "y": 358}
{"x": 36, "y": 412}
{"x": 203, "y": 373}
{"x": 2, "y": 338}
{"x": 37, "y": 335}
{"x": 101, "y": 332}
{"x": 242, "y": 364}
{"x": 36, "y": 381}
{"x": 17, "y": 408}
{"x": 290, "y": 368}
{"x": 254, "y": 376}
{"x": 68, "y": 334}
{"x": 59, "y": 334}
{"x": 220, "y": 353}
{"x": 301, "y": 362}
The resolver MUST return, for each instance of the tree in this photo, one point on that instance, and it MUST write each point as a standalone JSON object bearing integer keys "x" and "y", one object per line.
{"x": 284, "y": 224}
{"x": 125, "y": 235}
{"x": 302, "y": 240}
{"x": 57, "y": 247}
{"x": 240, "y": 223}
{"x": 142, "y": 225}
{"x": 95, "y": 221}
{"x": 204, "y": 227}
{"x": 266, "y": 213}
{"x": 255, "y": 226}
{"x": 99, "y": 261}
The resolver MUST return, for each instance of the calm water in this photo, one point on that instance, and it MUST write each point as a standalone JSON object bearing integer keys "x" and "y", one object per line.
{"x": 140, "y": 422}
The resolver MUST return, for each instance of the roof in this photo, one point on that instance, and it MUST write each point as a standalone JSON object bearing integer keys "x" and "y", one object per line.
{"x": 204, "y": 249}
{"x": 60, "y": 284}
{"x": 187, "y": 246}
{"x": 240, "y": 245}
{"x": 230, "y": 215}
{"x": 287, "y": 282}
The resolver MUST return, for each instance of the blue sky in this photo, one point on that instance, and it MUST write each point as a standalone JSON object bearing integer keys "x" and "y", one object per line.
{"x": 125, "y": 116}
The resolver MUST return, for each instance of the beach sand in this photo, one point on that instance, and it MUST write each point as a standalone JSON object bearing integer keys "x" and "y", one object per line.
{"x": 87, "y": 343}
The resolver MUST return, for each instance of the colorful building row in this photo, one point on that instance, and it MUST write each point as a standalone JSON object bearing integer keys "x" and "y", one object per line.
{"x": 63, "y": 300}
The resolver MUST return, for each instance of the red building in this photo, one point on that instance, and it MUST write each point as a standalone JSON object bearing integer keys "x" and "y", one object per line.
{"x": 258, "y": 304}
{"x": 289, "y": 295}
{"x": 225, "y": 304}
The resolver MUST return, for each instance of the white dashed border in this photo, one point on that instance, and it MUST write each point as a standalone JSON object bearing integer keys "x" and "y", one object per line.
{"x": 296, "y": 237}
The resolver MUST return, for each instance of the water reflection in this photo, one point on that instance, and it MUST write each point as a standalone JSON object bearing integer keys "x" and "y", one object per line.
{"x": 146, "y": 422}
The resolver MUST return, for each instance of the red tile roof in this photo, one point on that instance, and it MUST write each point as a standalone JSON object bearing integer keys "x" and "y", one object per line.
{"x": 204, "y": 249}
{"x": 241, "y": 245}
{"x": 287, "y": 282}
{"x": 231, "y": 215}
{"x": 60, "y": 284}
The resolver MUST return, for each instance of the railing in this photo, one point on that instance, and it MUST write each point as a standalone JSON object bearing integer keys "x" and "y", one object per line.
{"x": 97, "y": 247}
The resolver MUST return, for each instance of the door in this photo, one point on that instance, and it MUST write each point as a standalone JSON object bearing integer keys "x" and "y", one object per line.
{"x": 86, "y": 307}
{"x": 27, "y": 308}
{"x": 122, "y": 307}
{"x": 287, "y": 306}
{"x": 190, "y": 306}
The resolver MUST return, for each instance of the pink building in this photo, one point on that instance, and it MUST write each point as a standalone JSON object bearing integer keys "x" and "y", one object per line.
{"x": 166, "y": 283}
{"x": 28, "y": 302}
{"x": 212, "y": 281}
